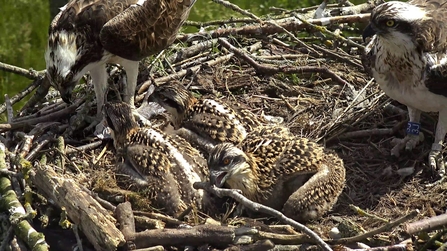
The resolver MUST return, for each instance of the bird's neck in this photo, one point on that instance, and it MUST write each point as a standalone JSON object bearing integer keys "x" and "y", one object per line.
{"x": 247, "y": 180}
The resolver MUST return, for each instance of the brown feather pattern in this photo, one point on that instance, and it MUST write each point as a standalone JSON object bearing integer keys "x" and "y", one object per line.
{"x": 167, "y": 163}
{"x": 219, "y": 121}
{"x": 284, "y": 172}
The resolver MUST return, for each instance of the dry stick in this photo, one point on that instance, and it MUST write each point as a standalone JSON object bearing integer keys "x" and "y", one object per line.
{"x": 260, "y": 208}
{"x": 50, "y": 117}
{"x": 17, "y": 215}
{"x": 124, "y": 215}
{"x": 40, "y": 93}
{"x": 247, "y": 13}
{"x": 429, "y": 224}
{"x": 378, "y": 230}
{"x": 31, "y": 74}
{"x": 335, "y": 55}
{"x": 179, "y": 74}
{"x": 290, "y": 24}
{"x": 19, "y": 96}
{"x": 267, "y": 69}
{"x": 86, "y": 147}
{"x": 323, "y": 29}
{"x": 190, "y": 51}
{"x": 220, "y": 22}
{"x": 397, "y": 247}
{"x": 83, "y": 210}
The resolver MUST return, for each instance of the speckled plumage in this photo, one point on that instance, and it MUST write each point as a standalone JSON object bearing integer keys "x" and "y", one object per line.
{"x": 166, "y": 166}
{"x": 407, "y": 58}
{"x": 213, "y": 119}
{"x": 285, "y": 172}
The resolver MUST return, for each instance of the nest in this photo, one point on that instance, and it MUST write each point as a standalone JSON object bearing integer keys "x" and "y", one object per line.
{"x": 60, "y": 174}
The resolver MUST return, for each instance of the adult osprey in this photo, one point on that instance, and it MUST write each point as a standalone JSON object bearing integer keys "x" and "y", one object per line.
{"x": 407, "y": 58}
{"x": 88, "y": 34}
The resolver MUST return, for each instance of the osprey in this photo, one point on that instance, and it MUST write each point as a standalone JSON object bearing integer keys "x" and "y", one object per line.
{"x": 407, "y": 58}
{"x": 88, "y": 34}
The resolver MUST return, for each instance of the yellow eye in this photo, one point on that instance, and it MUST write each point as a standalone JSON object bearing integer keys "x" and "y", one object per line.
{"x": 226, "y": 161}
{"x": 390, "y": 23}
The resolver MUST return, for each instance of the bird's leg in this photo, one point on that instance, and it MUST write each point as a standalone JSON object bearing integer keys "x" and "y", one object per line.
{"x": 435, "y": 158}
{"x": 99, "y": 79}
{"x": 413, "y": 136}
{"x": 131, "y": 68}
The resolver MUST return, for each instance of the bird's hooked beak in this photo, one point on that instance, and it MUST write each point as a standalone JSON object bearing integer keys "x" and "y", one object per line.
{"x": 369, "y": 31}
{"x": 66, "y": 94}
{"x": 218, "y": 178}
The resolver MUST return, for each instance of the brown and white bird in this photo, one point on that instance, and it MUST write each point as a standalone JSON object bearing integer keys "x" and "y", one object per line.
{"x": 88, "y": 34}
{"x": 165, "y": 165}
{"x": 407, "y": 58}
{"x": 287, "y": 173}
{"x": 212, "y": 120}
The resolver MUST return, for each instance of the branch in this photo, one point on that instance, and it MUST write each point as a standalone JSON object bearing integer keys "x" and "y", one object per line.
{"x": 260, "y": 208}
{"x": 268, "y": 69}
{"x": 18, "y": 217}
{"x": 378, "y": 230}
{"x": 95, "y": 221}
{"x": 429, "y": 224}
{"x": 31, "y": 74}
{"x": 50, "y": 117}
{"x": 290, "y": 24}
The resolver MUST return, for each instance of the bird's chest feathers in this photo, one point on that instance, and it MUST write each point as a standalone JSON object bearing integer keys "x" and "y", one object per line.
{"x": 399, "y": 70}
{"x": 398, "y": 67}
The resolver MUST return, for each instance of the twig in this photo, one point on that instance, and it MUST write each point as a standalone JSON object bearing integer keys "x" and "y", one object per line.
{"x": 267, "y": 69}
{"x": 31, "y": 74}
{"x": 429, "y": 224}
{"x": 289, "y": 24}
{"x": 260, "y": 208}
{"x": 273, "y": 23}
{"x": 19, "y": 96}
{"x": 50, "y": 117}
{"x": 362, "y": 212}
{"x": 181, "y": 73}
{"x": 378, "y": 230}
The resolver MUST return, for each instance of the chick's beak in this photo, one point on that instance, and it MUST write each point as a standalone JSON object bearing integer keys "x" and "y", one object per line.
{"x": 218, "y": 178}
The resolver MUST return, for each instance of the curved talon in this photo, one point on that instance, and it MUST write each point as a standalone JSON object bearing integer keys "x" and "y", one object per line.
{"x": 436, "y": 160}
{"x": 102, "y": 131}
{"x": 408, "y": 143}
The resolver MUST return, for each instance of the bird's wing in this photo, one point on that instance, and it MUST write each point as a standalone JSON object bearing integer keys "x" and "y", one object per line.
{"x": 163, "y": 187}
{"x": 145, "y": 28}
{"x": 216, "y": 126}
{"x": 90, "y": 14}
{"x": 436, "y": 79}
{"x": 148, "y": 160}
{"x": 431, "y": 33}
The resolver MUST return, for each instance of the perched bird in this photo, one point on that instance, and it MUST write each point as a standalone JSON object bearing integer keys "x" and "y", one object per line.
{"x": 407, "y": 58}
{"x": 207, "y": 121}
{"x": 88, "y": 34}
{"x": 167, "y": 166}
{"x": 287, "y": 173}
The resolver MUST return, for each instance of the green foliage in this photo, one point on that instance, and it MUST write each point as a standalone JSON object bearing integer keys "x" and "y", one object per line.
{"x": 23, "y": 25}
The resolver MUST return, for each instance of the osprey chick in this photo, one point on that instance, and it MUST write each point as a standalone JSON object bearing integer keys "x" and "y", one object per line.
{"x": 165, "y": 165}
{"x": 281, "y": 171}
{"x": 407, "y": 58}
{"x": 206, "y": 121}
{"x": 88, "y": 34}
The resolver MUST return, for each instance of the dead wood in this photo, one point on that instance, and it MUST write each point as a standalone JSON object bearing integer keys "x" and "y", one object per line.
{"x": 426, "y": 225}
{"x": 261, "y": 208}
{"x": 289, "y": 24}
{"x": 83, "y": 210}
